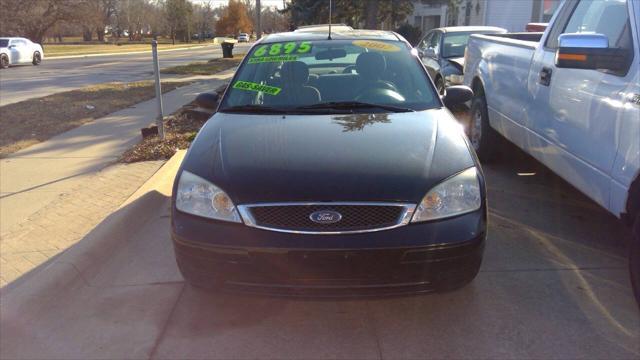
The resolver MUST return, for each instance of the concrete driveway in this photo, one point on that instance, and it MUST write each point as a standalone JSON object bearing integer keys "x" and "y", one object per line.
{"x": 553, "y": 284}
{"x": 56, "y": 75}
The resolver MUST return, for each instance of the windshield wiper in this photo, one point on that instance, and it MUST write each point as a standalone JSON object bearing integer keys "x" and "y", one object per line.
{"x": 254, "y": 109}
{"x": 347, "y": 105}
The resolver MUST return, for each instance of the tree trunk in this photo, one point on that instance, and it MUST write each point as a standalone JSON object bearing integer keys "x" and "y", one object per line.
{"x": 87, "y": 34}
{"x": 100, "y": 34}
{"x": 371, "y": 15}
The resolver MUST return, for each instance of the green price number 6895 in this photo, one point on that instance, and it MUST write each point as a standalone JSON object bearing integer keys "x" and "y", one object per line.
{"x": 286, "y": 48}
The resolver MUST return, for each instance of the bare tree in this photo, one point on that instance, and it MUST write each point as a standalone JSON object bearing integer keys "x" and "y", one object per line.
{"x": 203, "y": 19}
{"x": 33, "y": 18}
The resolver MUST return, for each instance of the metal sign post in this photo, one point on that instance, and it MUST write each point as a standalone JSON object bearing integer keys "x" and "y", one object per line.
{"x": 156, "y": 71}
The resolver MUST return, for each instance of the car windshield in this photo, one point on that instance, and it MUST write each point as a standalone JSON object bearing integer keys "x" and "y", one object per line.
{"x": 454, "y": 44}
{"x": 4, "y": 42}
{"x": 331, "y": 76}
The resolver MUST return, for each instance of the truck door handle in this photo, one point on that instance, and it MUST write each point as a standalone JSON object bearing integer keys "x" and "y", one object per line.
{"x": 545, "y": 76}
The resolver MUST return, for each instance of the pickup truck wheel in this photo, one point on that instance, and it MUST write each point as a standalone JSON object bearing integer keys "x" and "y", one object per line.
{"x": 36, "y": 58}
{"x": 4, "y": 61}
{"x": 634, "y": 260}
{"x": 482, "y": 136}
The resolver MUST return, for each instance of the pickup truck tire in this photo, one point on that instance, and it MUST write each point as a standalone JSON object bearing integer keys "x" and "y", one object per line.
{"x": 482, "y": 136}
{"x": 4, "y": 61}
{"x": 634, "y": 260}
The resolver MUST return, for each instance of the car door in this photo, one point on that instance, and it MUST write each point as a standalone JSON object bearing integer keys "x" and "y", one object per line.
{"x": 575, "y": 113}
{"x": 431, "y": 54}
{"x": 14, "y": 51}
{"x": 422, "y": 47}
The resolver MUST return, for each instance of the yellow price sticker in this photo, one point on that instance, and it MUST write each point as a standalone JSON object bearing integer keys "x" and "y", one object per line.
{"x": 376, "y": 45}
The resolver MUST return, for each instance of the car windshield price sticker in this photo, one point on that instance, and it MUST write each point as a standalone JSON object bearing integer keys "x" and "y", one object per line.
{"x": 376, "y": 45}
{"x": 280, "y": 52}
{"x": 265, "y": 59}
{"x": 251, "y": 86}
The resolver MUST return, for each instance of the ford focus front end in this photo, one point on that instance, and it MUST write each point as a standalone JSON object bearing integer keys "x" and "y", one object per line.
{"x": 331, "y": 167}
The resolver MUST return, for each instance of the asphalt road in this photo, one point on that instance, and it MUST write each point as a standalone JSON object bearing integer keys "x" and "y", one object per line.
{"x": 553, "y": 285}
{"x": 56, "y": 75}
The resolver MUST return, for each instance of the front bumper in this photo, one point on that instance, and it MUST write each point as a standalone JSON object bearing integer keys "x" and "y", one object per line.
{"x": 409, "y": 259}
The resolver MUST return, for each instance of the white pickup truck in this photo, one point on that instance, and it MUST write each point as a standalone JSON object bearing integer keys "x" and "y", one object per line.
{"x": 570, "y": 98}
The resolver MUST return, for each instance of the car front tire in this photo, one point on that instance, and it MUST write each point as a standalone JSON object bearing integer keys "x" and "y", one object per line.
{"x": 37, "y": 58}
{"x": 634, "y": 260}
{"x": 4, "y": 61}
{"x": 482, "y": 136}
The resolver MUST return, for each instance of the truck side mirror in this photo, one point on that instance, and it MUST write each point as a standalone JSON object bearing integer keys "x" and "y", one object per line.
{"x": 590, "y": 51}
{"x": 456, "y": 95}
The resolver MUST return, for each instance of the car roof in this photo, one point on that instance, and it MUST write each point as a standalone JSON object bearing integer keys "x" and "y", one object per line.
{"x": 336, "y": 34}
{"x": 12, "y": 38}
{"x": 452, "y": 29}
{"x": 323, "y": 27}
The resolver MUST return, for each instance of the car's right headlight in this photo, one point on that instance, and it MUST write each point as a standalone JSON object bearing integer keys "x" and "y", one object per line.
{"x": 198, "y": 196}
{"x": 457, "y": 195}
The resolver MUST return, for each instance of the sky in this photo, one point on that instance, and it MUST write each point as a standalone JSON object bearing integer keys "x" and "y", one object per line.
{"x": 216, "y": 3}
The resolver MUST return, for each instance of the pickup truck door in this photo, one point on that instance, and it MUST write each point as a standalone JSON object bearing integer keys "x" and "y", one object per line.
{"x": 575, "y": 114}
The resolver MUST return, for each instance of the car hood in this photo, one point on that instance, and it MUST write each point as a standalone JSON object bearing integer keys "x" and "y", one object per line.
{"x": 355, "y": 157}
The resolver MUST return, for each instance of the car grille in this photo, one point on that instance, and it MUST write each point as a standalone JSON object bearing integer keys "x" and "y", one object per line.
{"x": 355, "y": 217}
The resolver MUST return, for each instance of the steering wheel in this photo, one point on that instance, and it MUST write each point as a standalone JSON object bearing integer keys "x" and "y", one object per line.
{"x": 349, "y": 69}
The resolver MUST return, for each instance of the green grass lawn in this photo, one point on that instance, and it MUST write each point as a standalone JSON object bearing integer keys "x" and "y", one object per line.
{"x": 53, "y": 50}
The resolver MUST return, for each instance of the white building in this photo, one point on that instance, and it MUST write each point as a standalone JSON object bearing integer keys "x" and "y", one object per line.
{"x": 512, "y": 15}
{"x": 427, "y": 16}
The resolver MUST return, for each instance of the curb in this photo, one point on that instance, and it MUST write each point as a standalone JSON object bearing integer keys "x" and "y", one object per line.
{"x": 77, "y": 265}
{"x": 124, "y": 53}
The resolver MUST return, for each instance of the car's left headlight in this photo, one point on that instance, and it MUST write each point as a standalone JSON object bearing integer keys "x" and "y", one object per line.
{"x": 457, "y": 195}
{"x": 198, "y": 196}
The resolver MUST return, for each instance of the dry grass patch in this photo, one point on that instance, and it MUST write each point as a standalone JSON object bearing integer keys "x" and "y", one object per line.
{"x": 205, "y": 68}
{"x": 32, "y": 121}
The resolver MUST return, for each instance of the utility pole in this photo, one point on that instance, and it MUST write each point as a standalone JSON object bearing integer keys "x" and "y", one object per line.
{"x": 156, "y": 70}
{"x": 258, "y": 16}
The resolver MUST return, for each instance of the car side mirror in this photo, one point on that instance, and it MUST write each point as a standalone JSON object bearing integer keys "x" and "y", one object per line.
{"x": 12, "y": 46}
{"x": 420, "y": 52}
{"x": 590, "y": 51}
{"x": 456, "y": 95}
{"x": 207, "y": 100}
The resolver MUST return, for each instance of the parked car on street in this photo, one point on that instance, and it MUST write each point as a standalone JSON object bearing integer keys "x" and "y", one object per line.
{"x": 442, "y": 52}
{"x": 311, "y": 177}
{"x": 243, "y": 37}
{"x": 571, "y": 99}
{"x": 16, "y": 50}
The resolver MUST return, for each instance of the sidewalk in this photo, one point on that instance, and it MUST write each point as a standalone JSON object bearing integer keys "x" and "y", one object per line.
{"x": 34, "y": 178}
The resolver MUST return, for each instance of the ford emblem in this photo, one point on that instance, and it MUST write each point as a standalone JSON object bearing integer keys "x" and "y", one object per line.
{"x": 325, "y": 217}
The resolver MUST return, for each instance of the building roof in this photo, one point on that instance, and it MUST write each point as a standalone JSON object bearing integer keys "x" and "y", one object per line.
{"x": 451, "y": 29}
{"x": 336, "y": 34}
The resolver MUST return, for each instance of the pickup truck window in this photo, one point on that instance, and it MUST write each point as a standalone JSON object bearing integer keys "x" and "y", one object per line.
{"x": 607, "y": 17}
